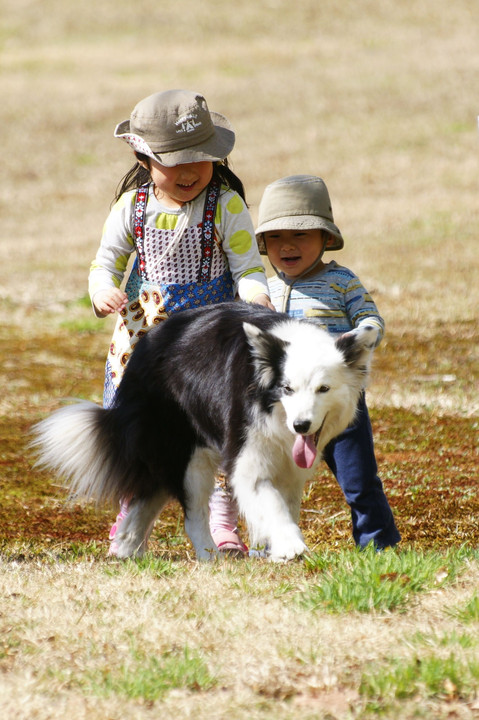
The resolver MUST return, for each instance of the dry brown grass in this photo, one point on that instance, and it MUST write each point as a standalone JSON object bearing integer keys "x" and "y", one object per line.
{"x": 270, "y": 659}
{"x": 378, "y": 99}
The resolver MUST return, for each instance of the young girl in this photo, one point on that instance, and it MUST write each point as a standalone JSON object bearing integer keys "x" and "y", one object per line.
{"x": 295, "y": 227}
{"x": 182, "y": 210}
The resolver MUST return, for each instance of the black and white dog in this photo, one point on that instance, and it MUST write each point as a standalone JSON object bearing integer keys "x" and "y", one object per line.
{"x": 230, "y": 386}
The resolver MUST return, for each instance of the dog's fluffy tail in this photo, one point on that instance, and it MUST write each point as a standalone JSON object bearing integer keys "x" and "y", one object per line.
{"x": 75, "y": 443}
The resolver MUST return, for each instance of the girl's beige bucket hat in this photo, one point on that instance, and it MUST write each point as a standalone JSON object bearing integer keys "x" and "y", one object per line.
{"x": 175, "y": 127}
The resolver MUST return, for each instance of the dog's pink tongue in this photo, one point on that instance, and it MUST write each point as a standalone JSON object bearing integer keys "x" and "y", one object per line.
{"x": 304, "y": 451}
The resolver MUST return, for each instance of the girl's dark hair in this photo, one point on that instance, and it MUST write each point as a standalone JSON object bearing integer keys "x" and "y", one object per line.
{"x": 134, "y": 178}
{"x": 223, "y": 173}
{"x": 139, "y": 175}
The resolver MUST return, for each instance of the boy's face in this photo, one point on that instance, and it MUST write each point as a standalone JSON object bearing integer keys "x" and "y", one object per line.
{"x": 294, "y": 251}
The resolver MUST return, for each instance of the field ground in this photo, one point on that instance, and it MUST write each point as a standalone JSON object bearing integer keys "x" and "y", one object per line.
{"x": 378, "y": 99}
{"x": 428, "y": 459}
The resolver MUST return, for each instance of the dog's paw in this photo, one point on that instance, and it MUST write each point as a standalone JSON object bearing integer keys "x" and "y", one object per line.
{"x": 289, "y": 546}
{"x": 125, "y": 546}
{"x": 206, "y": 554}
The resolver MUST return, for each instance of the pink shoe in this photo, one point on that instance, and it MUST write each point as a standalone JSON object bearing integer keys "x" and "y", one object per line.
{"x": 223, "y": 519}
{"x": 229, "y": 541}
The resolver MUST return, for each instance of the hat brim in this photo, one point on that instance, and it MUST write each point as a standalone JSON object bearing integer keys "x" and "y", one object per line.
{"x": 214, "y": 149}
{"x": 300, "y": 222}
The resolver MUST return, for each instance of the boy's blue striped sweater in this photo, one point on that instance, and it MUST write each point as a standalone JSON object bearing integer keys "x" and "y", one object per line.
{"x": 334, "y": 297}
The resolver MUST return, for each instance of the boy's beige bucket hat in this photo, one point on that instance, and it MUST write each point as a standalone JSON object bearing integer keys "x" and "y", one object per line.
{"x": 297, "y": 202}
{"x": 175, "y": 127}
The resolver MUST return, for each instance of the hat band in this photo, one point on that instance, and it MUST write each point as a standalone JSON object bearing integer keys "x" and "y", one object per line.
{"x": 192, "y": 128}
{"x": 180, "y": 143}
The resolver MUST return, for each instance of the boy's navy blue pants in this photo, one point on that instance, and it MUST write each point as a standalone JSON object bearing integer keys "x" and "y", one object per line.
{"x": 351, "y": 458}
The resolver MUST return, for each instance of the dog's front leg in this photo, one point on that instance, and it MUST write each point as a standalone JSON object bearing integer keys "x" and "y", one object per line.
{"x": 266, "y": 508}
{"x": 199, "y": 483}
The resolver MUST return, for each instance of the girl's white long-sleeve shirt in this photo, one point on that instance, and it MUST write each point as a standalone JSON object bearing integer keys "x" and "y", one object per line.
{"x": 234, "y": 236}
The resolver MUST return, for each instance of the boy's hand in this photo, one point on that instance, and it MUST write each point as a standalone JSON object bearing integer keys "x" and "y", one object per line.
{"x": 263, "y": 299}
{"x": 109, "y": 301}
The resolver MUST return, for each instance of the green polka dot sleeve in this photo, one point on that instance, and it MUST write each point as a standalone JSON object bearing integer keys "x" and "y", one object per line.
{"x": 240, "y": 247}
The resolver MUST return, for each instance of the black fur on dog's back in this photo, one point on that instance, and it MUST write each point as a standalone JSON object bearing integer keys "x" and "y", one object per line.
{"x": 162, "y": 412}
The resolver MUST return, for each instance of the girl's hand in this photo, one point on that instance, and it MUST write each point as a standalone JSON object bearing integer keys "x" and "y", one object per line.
{"x": 109, "y": 301}
{"x": 263, "y": 299}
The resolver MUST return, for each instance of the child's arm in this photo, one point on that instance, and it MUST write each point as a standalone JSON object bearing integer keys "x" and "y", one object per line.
{"x": 109, "y": 301}
{"x": 264, "y": 300}
{"x": 362, "y": 309}
{"x": 239, "y": 245}
{"x": 108, "y": 267}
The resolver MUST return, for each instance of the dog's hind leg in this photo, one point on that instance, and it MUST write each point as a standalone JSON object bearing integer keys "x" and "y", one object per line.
{"x": 199, "y": 484}
{"x": 131, "y": 539}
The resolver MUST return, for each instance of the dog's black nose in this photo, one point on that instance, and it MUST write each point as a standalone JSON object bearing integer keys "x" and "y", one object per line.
{"x": 302, "y": 426}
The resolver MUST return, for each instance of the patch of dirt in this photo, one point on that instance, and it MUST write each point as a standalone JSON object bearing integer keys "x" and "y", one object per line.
{"x": 428, "y": 463}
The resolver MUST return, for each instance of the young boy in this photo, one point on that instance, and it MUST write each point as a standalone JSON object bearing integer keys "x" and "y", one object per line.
{"x": 295, "y": 227}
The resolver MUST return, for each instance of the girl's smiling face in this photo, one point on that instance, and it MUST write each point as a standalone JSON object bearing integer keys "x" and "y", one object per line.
{"x": 175, "y": 186}
{"x": 294, "y": 251}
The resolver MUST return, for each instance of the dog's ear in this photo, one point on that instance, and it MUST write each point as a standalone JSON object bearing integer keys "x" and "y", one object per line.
{"x": 357, "y": 346}
{"x": 267, "y": 351}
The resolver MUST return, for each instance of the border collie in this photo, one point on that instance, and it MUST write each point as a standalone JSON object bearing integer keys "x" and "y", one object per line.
{"x": 231, "y": 386}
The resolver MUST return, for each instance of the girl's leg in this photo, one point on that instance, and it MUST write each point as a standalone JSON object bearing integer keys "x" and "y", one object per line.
{"x": 224, "y": 521}
{"x": 351, "y": 458}
{"x": 124, "y": 506}
{"x": 109, "y": 395}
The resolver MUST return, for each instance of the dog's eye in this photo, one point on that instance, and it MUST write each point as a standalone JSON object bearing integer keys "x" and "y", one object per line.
{"x": 323, "y": 389}
{"x": 288, "y": 390}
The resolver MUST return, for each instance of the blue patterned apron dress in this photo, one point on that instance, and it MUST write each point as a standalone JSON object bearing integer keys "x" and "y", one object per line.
{"x": 163, "y": 282}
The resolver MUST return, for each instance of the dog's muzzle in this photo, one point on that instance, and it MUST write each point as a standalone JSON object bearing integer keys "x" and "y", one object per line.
{"x": 305, "y": 448}
{"x": 317, "y": 434}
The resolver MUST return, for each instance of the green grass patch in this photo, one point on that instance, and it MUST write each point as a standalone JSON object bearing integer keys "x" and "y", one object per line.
{"x": 469, "y": 611}
{"x": 81, "y": 318}
{"x": 154, "y": 566}
{"x": 83, "y": 302}
{"x": 82, "y": 325}
{"x": 366, "y": 581}
{"x": 448, "y": 639}
{"x": 150, "y": 678}
{"x": 445, "y": 677}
